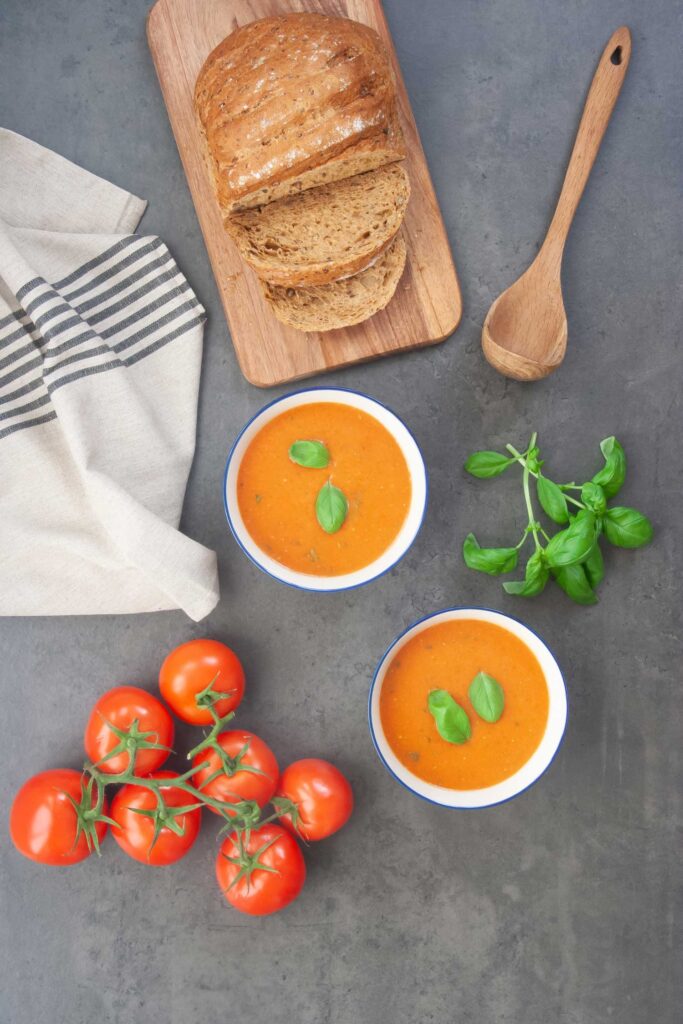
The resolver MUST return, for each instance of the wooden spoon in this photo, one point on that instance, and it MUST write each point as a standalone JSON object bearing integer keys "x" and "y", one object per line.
{"x": 525, "y": 333}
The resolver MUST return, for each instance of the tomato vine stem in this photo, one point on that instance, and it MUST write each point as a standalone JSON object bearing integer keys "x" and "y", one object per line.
{"x": 239, "y": 817}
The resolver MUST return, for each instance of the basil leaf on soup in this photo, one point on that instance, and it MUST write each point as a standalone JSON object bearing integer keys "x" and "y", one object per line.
{"x": 573, "y": 545}
{"x": 575, "y": 583}
{"x": 494, "y": 561}
{"x": 450, "y": 719}
{"x": 312, "y": 454}
{"x": 553, "y": 501}
{"x": 331, "y": 507}
{"x": 485, "y": 465}
{"x": 487, "y": 697}
{"x": 627, "y": 528}
{"x": 535, "y": 578}
{"x": 613, "y": 473}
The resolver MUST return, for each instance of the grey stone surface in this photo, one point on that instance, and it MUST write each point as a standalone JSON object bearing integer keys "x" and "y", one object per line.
{"x": 563, "y": 905}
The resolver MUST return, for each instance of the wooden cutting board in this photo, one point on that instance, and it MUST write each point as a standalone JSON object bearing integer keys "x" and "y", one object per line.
{"x": 427, "y": 305}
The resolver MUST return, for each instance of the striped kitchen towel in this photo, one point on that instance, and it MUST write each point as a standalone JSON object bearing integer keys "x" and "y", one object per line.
{"x": 100, "y": 356}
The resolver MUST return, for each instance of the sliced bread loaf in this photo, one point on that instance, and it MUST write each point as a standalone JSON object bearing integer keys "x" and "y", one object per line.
{"x": 342, "y": 303}
{"x": 326, "y": 233}
{"x": 294, "y": 101}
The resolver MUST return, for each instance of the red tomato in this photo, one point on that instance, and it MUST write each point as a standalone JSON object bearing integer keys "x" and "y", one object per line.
{"x": 244, "y": 752}
{"x": 136, "y": 832}
{"x": 43, "y": 822}
{"x": 261, "y": 892}
{"x": 121, "y": 707}
{"x": 194, "y": 666}
{"x": 322, "y": 794}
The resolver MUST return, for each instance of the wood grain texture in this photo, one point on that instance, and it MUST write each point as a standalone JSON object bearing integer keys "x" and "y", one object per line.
{"x": 525, "y": 332}
{"x": 427, "y": 305}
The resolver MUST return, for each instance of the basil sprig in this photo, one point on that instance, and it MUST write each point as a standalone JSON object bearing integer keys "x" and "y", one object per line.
{"x": 536, "y": 576}
{"x": 331, "y": 507}
{"x": 626, "y": 528}
{"x": 611, "y": 477}
{"x": 594, "y": 497}
{"x": 487, "y": 464}
{"x": 311, "y": 454}
{"x": 573, "y": 545}
{"x": 575, "y": 582}
{"x": 487, "y": 697}
{"x": 451, "y": 720}
{"x": 494, "y": 561}
{"x": 552, "y": 500}
{"x": 594, "y": 566}
{"x": 571, "y": 556}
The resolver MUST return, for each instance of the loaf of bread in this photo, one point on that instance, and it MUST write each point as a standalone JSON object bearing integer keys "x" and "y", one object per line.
{"x": 325, "y": 233}
{"x": 342, "y": 303}
{"x": 292, "y": 102}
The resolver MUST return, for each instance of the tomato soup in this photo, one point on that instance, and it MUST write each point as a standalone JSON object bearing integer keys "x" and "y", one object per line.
{"x": 277, "y": 497}
{"x": 448, "y": 656}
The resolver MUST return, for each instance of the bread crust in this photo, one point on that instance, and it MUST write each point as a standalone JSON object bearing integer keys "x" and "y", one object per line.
{"x": 287, "y": 103}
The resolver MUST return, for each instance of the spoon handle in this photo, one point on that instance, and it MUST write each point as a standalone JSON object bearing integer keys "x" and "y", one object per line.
{"x": 602, "y": 95}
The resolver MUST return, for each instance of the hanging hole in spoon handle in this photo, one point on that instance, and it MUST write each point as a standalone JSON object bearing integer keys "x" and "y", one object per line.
{"x": 602, "y": 96}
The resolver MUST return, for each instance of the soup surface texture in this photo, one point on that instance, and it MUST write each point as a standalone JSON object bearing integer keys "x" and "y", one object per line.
{"x": 448, "y": 656}
{"x": 277, "y": 497}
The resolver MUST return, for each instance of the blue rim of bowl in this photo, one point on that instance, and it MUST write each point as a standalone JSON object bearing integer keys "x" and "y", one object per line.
{"x": 418, "y": 622}
{"x": 233, "y": 530}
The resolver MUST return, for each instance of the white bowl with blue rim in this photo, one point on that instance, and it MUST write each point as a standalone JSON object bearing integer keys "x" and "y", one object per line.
{"x": 411, "y": 524}
{"x": 539, "y": 761}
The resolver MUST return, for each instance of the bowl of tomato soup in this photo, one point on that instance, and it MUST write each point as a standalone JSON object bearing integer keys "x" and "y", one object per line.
{"x": 325, "y": 489}
{"x": 467, "y": 708}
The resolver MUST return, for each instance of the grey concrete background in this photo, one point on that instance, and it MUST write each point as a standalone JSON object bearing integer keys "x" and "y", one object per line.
{"x": 562, "y": 905}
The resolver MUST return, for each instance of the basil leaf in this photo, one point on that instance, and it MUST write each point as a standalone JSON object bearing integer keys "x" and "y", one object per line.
{"x": 613, "y": 474}
{"x": 627, "y": 528}
{"x": 487, "y": 697}
{"x": 535, "y": 578}
{"x": 575, "y": 583}
{"x": 450, "y": 719}
{"x": 331, "y": 507}
{"x": 493, "y": 561}
{"x": 594, "y": 498}
{"x": 594, "y": 566}
{"x": 312, "y": 454}
{"x": 553, "y": 501}
{"x": 572, "y": 545}
{"x": 485, "y": 465}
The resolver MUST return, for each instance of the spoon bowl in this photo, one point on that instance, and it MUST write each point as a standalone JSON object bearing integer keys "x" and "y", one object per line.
{"x": 525, "y": 332}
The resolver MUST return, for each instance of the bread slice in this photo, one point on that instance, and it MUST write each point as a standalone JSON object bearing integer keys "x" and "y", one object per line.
{"x": 342, "y": 303}
{"x": 295, "y": 101}
{"x": 325, "y": 233}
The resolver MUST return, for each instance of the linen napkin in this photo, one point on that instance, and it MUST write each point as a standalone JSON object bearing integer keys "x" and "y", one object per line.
{"x": 100, "y": 356}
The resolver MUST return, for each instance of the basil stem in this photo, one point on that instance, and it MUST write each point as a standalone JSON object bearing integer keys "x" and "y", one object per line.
{"x": 527, "y": 496}
{"x": 520, "y": 458}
